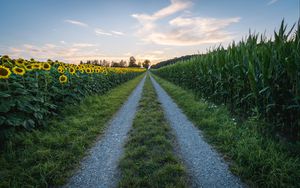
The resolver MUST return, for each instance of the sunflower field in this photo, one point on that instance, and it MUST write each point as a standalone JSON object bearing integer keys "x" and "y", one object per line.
{"x": 32, "y": 91}
{"x": 257, "y": 77}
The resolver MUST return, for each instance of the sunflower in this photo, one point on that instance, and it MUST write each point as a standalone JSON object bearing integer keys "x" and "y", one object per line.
{"x": 61, "y": 69}
{"x": 88, "y": 70}
{"x": 97, "y": 70}
{"x": 4, "y": 72}
{"x": 19, "y": 71}
{"x": 20, "y": 62}
{"x": 36, "y": 66}
{"x": 28, "y": 67}
{"x": 72, "y": 70}
{"x": 63, "y": 79}
{"x": 46, "y": 66}
{"x": 81, "y": 70}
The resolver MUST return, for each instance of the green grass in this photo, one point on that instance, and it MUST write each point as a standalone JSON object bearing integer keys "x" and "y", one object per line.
{"x": 259, "y": 160}
{"x": 149, "y": 159}
{"x": 48, "y": 156}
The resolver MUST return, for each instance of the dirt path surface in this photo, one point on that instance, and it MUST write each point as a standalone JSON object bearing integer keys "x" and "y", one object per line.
{"x": 99, "y": 168}
{"x": 204, "y": 165}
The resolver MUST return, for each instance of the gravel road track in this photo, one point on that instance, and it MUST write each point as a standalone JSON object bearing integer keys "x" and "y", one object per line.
{"x": 99, "y": 168}
{"x": 204, "y": 164}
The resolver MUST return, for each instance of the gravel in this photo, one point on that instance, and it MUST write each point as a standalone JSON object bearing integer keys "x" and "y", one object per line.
{"x": 204, "y": 164}
{"x": 100, "y": 167}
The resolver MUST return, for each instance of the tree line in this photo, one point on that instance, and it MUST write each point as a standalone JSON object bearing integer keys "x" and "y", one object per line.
{"x": 172, "y": 61}
{"x": 131, "y": 63}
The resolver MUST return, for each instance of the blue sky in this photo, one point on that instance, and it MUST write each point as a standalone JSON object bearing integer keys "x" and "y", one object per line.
{"x": 74, "y": 30}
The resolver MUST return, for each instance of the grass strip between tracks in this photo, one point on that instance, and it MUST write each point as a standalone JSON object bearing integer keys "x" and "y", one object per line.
{"x": 149, "y": 159}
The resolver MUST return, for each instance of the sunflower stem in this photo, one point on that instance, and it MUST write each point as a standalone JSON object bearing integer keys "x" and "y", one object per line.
{"x": 7, "y": 85}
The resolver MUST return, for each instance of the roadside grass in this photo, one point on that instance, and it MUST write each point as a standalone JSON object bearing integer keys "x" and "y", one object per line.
{"x": 258, "y": 159}
{"x": 48, "y": 156}
{"x": 149, "y": 159}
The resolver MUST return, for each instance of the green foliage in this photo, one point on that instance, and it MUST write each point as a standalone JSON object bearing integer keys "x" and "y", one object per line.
{"x": 149, "y": 159}
{"x": 28, "y": 100}
{"x": 254, "y": 77}
{"x": 46, "y": 157}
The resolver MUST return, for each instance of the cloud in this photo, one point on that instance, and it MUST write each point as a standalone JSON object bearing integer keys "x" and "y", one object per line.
{"x": 62, "y": 42}
{"x": 83, "y": 45}
{"x": 272, "y": 2}
{"x": 176, "y": 6}
{"x": 68, "y": 53}
{"x": 117, "y": 32}
{"x": 183, "y": 30}
{"x": 75, "y": 22}
{"x": 158, "y": 52}
{"x": 101, "y": 32}
{"x": 51, "y": 46}
{"x": 74, "y": 53}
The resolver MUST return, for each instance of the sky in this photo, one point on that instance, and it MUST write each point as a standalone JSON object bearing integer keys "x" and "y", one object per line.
{"x": 75, "y": 30}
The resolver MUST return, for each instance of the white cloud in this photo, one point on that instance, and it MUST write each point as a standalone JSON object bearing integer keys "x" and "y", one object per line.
{"x": 158, "y": 52}
{"x": 78, "y": 23}
{"x": 128, "y": 54}
{"x": 101, "y": 32}
{"x": 67, "y": 53}
{"x": 176, "y": 6}
{"x": 51, "y": 46}
{"x": 183, "y": 30}
{"x": 272, "y": 2}
{"x": 28, "y": 46}
{"x": 62, "y": 42}
{"x": 74, "y": 53}
{"x": 16, "y": 50}
{"x": 83, "y": 45}
{"x": 117, "y": 32}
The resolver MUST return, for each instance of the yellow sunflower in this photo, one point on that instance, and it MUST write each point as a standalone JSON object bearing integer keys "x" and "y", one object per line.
{"x": 36, "y": 66}
{"x": 88, "y": 70}
{"x": 4, "y": 72}
{"x": 19, "y": 71}
{"x": 20, "y": 62}
{"x": 28, "y": 67}
{"x": 61, "y": 69}
{"x": 97, "y": 70}
{"x": 46, "y": 66}
{"x": 63, "y": 79}
{"x": 72, "y": 70}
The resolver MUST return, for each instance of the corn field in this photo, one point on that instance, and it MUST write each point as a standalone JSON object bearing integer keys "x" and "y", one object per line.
{"x": 32, "y": 91}
{"x": 255, "y": 77}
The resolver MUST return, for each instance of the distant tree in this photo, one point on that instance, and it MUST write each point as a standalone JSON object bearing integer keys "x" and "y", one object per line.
{"x": 172, "y": 61}
{"x": 105, "y": 63}
{"x": 139, "y": 64}
{"x": 132, "y": 62}
{"x": 123, "y": 63}
{"x": 95, "y": 62}
{"x": 146, "y": 63}
{"x": 115, "y": 64}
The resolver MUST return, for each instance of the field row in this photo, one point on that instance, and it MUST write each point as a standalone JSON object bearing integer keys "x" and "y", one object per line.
{"x": 31, "y": 91}
{"x": 257, "y": 77}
